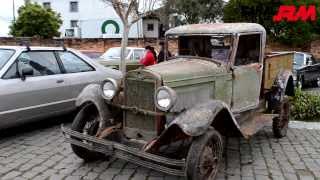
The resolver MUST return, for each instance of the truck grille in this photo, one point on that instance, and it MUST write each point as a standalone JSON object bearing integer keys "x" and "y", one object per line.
{"x": 140, "y": 94}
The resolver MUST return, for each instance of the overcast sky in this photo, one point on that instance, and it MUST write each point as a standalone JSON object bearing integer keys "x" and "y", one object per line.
{"x": 6, "y": 14}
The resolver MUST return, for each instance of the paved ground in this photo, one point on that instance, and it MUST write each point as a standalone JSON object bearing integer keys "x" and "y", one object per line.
{"x": 40, "y": 153}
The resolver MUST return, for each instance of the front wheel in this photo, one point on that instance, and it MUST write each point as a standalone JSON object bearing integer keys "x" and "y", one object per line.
{"x": 86, "y": 122}
{"x": 204, "y": 156}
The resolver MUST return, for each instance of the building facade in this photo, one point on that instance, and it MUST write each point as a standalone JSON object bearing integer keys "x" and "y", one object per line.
{"x": 96, "y": 19}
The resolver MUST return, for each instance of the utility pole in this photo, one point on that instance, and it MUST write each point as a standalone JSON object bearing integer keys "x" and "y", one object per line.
{"x": 14, "y": 11}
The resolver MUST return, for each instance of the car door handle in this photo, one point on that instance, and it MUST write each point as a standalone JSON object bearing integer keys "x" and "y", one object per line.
{"x": 60, "y": 81}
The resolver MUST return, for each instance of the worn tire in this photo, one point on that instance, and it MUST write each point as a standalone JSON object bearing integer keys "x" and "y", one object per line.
{"x": 280, "y": 124}
{"x": 207, "y": 148}
{"x": 301, "y": 83}
{"x": 78, "y": 125}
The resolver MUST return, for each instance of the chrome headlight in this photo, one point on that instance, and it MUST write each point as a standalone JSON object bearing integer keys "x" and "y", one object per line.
{"x": 165, "y": 98}
{"x": 109, "y": 88}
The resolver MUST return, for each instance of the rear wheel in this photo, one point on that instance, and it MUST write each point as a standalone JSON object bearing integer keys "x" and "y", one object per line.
{"x": 280, "y": 124}
{"x": 86, "y": 122}
{"x": 300, "y": 82}
{"x": 204, "y": 156}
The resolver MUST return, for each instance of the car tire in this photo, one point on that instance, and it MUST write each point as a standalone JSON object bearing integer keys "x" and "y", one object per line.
{"x": 207, "y": 148}
{"x": 280, "y": 124}
{"x": 87, "y": 114}
{"x": 300, "y": 83}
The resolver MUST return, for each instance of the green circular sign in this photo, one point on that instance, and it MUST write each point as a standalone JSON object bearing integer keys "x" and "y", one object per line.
{"x": 110, "y": 22}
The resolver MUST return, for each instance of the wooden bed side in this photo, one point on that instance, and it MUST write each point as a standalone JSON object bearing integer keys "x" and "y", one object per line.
{"x": 273, "y": 64}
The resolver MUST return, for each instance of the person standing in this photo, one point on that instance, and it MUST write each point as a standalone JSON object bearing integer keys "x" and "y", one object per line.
{"x": 161, "y": 55}
{"x": 149, "y": 57}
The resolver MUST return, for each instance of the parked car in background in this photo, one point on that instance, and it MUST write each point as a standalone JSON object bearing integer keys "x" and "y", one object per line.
{"x": 92, "y": 54}
{"x": 38, "y": 82}
{"x": 306, "y": 70}
{"x": 308, "y": 74}
{"x": 111, "y": 58}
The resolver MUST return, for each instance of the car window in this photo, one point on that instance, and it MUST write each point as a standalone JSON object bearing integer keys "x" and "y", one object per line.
{"x": 248, "y": 51}
{"x": 299, "y": 59}
{"x": 43, "y": 64}
{"x": 138, "y": 54}
{"x": 73, "y": 63}
{"x": 5, "y": 55}
{"x": 114, "y": 53}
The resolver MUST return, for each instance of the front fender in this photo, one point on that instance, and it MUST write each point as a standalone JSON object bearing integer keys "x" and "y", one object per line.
{"x": 93, "y": 94}
{"x": 196, "y": 121}
{"x": 284, "y": 81}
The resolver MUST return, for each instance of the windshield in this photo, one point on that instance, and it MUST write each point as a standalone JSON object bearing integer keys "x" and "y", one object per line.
{"x": 298, "y": 60}
{"x": 5, "y": 55}
{"x": 217, "y": 47}
{"x": 114, "y": 53}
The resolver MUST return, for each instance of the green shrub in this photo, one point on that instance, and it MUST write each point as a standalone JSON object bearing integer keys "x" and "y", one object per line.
{"x": 305, "y": 106}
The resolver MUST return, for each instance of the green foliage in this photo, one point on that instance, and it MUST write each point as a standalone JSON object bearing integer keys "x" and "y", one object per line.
{"x": 35, "y": 20}
{"x": 305, "y": 106}
{"x": 297, "y": 33}
{"x": 195, "y": 11}
{"x": 262, "y": 12}
{"x": 257, "y": 11}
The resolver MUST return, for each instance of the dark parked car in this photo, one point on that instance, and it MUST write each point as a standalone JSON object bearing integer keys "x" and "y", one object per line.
{"x": 306, "y": 70}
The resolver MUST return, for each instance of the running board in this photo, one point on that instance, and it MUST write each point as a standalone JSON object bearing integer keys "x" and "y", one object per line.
{"x": 121, "y": 151}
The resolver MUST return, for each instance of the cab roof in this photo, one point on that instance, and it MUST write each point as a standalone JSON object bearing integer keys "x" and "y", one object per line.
{"x": 216, "y": 28}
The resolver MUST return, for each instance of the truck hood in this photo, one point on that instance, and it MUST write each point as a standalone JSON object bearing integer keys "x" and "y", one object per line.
{"x": 114, "y": 62}
{"x": 184, "y": 68}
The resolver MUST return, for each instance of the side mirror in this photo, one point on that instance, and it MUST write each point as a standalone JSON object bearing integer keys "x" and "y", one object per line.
{"x": 26, "y": 71}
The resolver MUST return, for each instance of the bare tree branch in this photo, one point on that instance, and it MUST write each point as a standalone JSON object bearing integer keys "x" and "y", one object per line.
{"x": 130, "y": 11}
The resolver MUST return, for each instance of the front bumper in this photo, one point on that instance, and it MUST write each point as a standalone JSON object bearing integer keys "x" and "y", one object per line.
{"x": 121, "y": 151}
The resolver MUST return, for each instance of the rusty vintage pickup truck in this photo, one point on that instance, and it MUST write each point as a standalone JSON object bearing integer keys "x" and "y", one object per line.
{"x": 171, "y": 116}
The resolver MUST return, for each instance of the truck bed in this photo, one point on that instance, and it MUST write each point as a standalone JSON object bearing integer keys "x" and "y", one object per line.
{"x": 273, "y": 64}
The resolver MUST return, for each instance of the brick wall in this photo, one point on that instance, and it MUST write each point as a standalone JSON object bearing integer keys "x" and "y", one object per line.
{"x": 97, "y": 44}
{"x": 102, "y": 45}
{"x": 315, "y": 49}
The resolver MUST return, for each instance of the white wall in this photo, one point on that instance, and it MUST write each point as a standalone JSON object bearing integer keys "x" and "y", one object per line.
{"x": 91, "y": 15}
{"x": 155, "y": 32}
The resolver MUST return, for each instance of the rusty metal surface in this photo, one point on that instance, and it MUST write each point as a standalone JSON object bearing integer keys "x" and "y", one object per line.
{"x": 196, "y": 121}
{"x": 181, "y": 69}
{"x": 139, "y": 94}
{"x": 255, "y": 123}
{"x": 217, "y": 28}
{"x": 93, "y": 94}
{"x": 134, "y": 155}
{"x": 273, "y": 65}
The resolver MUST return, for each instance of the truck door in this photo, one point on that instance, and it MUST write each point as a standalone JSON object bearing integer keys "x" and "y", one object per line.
{"x": 247, "y": 72}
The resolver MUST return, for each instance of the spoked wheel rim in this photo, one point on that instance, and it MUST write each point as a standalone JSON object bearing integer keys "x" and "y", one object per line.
{"x": 91, "y": 126}
{"x": 209, "y": 162}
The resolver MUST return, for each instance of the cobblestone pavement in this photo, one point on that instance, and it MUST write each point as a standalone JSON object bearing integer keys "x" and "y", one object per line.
{"x": 42, "y": 154}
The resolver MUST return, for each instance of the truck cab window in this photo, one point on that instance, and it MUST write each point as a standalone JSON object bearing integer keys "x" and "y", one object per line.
{"x": 213, "y": 47}
{"x": 249, "y": 49}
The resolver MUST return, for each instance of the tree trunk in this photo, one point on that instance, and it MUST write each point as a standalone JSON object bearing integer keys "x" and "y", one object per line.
{"x": 124, "y": 44}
